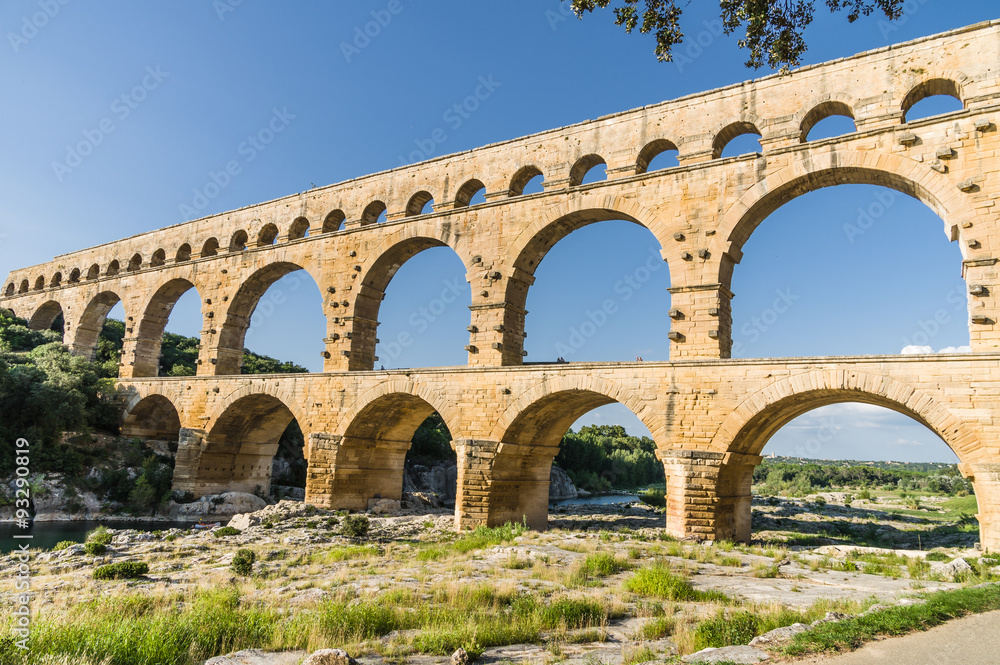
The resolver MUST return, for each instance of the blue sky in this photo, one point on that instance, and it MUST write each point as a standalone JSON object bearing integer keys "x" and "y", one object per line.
{"x": 180, "y": 86}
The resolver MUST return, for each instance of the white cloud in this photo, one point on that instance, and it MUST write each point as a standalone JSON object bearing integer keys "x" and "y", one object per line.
{"x": 956, "y": 349}
{"x": 914, "y": 349}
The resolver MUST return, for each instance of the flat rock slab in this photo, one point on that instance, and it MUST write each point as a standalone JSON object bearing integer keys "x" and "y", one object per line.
{"x": 738, "y": 655}
{"x": 779, "y": 635}
{"x": 258, "y": 657}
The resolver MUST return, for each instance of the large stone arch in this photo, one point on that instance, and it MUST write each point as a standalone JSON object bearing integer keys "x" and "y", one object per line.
{"x": 151, "y": 417}
{"x": 45, "y": 315}
{"x": 82, "y": 338}
{"x": 377, "y": 271}
{"x": 743, "y": 434}
{"x": 363, "y": 459}
{"x": 528, "y": 435}
{"x": 149, "y": 331}
{"x": 241, "y": 306}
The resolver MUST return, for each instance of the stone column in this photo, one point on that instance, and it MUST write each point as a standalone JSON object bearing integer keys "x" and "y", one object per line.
{"x": 986, "y": 481}
{"x": 503, "y": 482}
{"x": 188, "y": 460}
{"x": 733, "y": 511}
{"x": 321, "y": 456}
{"x": 982, "y": 275}
{"x": 692, "y": 476}
{"x": 700, "y": 321}
{"x": 496, "y": 333}
{"x": 472, "y": 493}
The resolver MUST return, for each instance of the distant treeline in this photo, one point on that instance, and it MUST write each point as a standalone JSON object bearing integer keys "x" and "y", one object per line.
{"x": 804, "y": 477}
{"x": 604, "y": 457}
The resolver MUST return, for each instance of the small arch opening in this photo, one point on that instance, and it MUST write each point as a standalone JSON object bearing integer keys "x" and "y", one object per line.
{"x": 74, "y": 275}
{"x": 135, "y": 263}
{"x": 39, "y": 283}
{"x": 24, "y": 286}
{"x": 299, "y": 229}
{"x": 10, "y": 289}
{"x": 268, "y": 235}
{"x": 183, "y": 253}
{"x": 238, "y": 242}
{"x": 94, "y": 271}
{"x": 158, "y": 259}
{"x": 658, "y": 154}
{"x": 827, "y": 120}
{"x": 333, "y": 221}
{"x": 932, "y": 97}
{"x": 588, "y": 169}
{"x": 739, "y": 138}
{"x": 471, "y": 193}
{"x": 374, "y": 213}
{"x": 56, "y": 280}
{"x": 420, "y": 203}
{"x": 527, "y": 180}
{"x": 210, "y": 248}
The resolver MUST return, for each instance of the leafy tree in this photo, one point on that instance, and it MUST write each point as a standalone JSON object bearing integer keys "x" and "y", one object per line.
{"x": 773, "y": 28}
{"x": 602, "y": 457}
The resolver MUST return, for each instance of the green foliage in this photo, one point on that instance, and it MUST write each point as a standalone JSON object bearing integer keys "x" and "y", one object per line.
{"x": 724, "y": 631}
{"x": 432, "y": 440}
{"x": 654, "y": 496}
{"x": 62, "y": 545}
{"x": 660, "y": 582}
{"x": 602, "y": 564}
{"x": 95, "y": 549}
{"x": 355, "y": 526}
{"x": 483, "y": 536}
{"x": 254, "y": 363}
{"x": 938, "y": 556}
{"x": 773, "y": 31}
{"x": 801, "y": 477}
{"x": 226, "y": 531}
{"x": 101, "y": 535}
{"x": 243, "y": 562}
{"x": 602, "y": 457}
{"x": 122, "y": 570}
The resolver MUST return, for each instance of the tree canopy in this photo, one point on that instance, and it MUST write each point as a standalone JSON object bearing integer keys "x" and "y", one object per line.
{"x": 773, "y": 29}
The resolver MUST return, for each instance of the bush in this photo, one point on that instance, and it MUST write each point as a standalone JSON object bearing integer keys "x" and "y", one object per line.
{"x": 95, "y": 549}
{"x": 660, "y": 582}
{"x": 226, "y": 531}
{"x": 355, "y": 526}
{"x": 101, "y": 535}
{"x": 654, "y": 496}
{"x": 724, "y": 631}
{"x": 62, "y": 545}
{"x": 243, "y": 562}
{"x": 123, "y": 570}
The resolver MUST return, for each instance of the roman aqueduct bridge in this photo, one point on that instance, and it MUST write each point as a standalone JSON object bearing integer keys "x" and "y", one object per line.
{"x": 709, "y": 415}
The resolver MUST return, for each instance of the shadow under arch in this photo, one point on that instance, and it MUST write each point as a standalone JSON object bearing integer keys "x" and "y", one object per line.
{"x": 744, "y": 433}
{"x": 373, "y": 441}
{"x": 232, "y": 332}
{"x": 152, "y": 324}
{"x": 529, "y": 434}
{"x": 152, "y": 417}
{"x": 375, "y": 279}
{"x": 238, "y": 450}
{"x": 45, "y": 316}
{"x": 91, "y": 322}
{"x": 530, "y": 247}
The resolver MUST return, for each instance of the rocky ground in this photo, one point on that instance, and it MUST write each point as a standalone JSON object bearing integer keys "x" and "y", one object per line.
{"x": 415, "y": 560}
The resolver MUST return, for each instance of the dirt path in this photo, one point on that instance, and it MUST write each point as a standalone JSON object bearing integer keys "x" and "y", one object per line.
{"x": 973, "y": 640}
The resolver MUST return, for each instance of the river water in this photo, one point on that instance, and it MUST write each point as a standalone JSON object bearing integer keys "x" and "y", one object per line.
{"x": 602, "y": 499}
{"x": 46, "y": 534}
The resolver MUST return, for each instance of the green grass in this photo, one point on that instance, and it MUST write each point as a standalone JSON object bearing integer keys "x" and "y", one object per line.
{"x": 852, "y": 633}
{"x": 226, "y": 531}
{"x": 482, "y": 537}
{"x": 346, "y": 553}
{"x": 659, "y": 581}
{"x": 101, "y": 535}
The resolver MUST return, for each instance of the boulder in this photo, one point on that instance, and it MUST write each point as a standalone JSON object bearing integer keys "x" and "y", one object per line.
{"x": 330, "y": 657}
{"x": 957, "y": 567}
{"x": 279, "y": 512}
{"x": 216, "y": 506}
{"x": 738, "y": 655}
{"x": 460, "y": 657}
{"x": 779, "y": 635}
{"x": 258, "y": 657}
{"x": 383, "y": 506}
{"x": 560, "y": 486}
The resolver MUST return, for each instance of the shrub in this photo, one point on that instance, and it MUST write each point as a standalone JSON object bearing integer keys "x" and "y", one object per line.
{"x": 654, "y": 496}
{"x": 355, "y": 526}
{"x": 601, "y": 564}
{"x": 95, "y": 549}
{"x": 123, "y": 570}
{"x": 660, "y": 582}
{"x": 101, "y": 535}
{"x": 226, "y": 531}
{"x": 724, "y": 631}
{"x": 63, "y": 544}
{"x": 243, "y": 562}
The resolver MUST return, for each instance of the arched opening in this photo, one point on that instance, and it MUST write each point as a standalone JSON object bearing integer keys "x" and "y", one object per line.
{"x": 932, "y": 97}
{"x": 418, "y": 293}
{"x": 135, "y": 263}
{"x": 210, "y": 248}
{"x": 827, "y": 120}
{"x": 239, "y": 450}
{"x": 374, "y": 213}
{"x": 148, "y": 360}
{"x": 874, "y": 471}
{"x": 91, "y": 324}
{"x": 396, "y": 445}
{"x": 46, "y": 316}
{"x": 280, "y": 306}
{"x": 153, "y": 418}
{"x": 527, "y": 180}
{"x": 599, "y": 292}
{"x": 40, "y": 283}
{"x": 738, "y": 138}
{"x": 56, "y": 280}
{"x": 656, "y": 155}
{"x": 471, "y": 193}
{"x": 183, "y": 253}
{"x": 94, "y": 272}
{"x": 299, "y": 229}
{"x": 795, "y": 300}
{"x": 238, "y": 242}
{"x": 588, "y": 169}
{"x": 74, "y": 275}
{"x": 268, "y": 235}
{"x": 420, "y": 203}
{"x": 333, "y": 221}
{"x": 24, "y": 286}
{"x": 158, "y": 259}
{"x": 113, "y": 268}
{"x": 9, "y": 291}
{"x": 522, "y": 470}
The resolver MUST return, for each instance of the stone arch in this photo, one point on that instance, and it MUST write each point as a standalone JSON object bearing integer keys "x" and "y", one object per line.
{"x": 821, "y": 109}
{"x": 582, "y": 167}
{"x": 373, "y": 437}
{"x": 45, "y": 316}
{"x": 267, "y": 235}
{"x": 236, "y": 320}
{"x": 135, "y": 263}
{"x": 210, "y": 248}
{"x": 521, "y": 179}
{"x": 415, "y": 206}
{"x": 56, "y": 280}
{"x": 951, "y": 84}
{"x": 238, "y": 450}
{"x": 650, "y": 152}
{"x": 158, "y": 259}
{"x": 278, "y": 391}
{"x": 238, "y": 242}
{"x": 333, "y": 221}
{"x": 151, "y": 417}
{"x": 376, "y": 274}
{"x": 93, "y": 272}
{"x": 152, "y": 324}
{"x": 725, "y": 135}
{"x": 113, "y": 268}
{"x": 40, "y": 283}
{"x": 372, "y": 212}
{"x": 298, "y": 229}
{"x": 465, "y": 193}
{"x": 9, "y": 291}
{"x": 529, "y": 434}
{"x": 88, "y": 329}
{"x": 183, "y": 253}
{"x": 24, "y": 286}
{"x": 74, "y": 275}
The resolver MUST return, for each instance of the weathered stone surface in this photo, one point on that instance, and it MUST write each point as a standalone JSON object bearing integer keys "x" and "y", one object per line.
{"x": 779, "y": 635}
{"x": 258, "y": 657}
{"x": 560, "y": 486}
{"x": 330, "y": 657}
{"x": 222, "y": 506}
{"x": 737, "y": 655}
